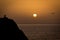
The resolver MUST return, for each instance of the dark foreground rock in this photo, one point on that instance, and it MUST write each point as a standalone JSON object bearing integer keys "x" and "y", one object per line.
{"x": 10, "y": 31}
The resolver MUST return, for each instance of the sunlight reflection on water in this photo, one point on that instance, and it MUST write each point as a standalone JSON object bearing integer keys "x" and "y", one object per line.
{"x": 41, "y": 31}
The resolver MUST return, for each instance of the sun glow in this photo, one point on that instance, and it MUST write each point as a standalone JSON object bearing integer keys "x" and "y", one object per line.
{"x": 34, "y": 15}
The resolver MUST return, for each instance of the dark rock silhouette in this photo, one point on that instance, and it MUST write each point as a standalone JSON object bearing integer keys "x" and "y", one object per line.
{"x": 10, "y": 31}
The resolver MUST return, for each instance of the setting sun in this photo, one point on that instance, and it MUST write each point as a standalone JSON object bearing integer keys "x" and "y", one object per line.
{"x": 34, "y": 15}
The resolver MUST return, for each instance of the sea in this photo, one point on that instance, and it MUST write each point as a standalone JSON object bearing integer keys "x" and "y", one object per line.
{"x": 41, "y": 31}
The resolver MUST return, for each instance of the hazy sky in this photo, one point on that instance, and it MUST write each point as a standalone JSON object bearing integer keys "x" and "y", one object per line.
{"x": 21, "y": 11}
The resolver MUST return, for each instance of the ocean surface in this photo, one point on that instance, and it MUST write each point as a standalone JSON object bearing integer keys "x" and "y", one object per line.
{"x": 41, "y": 31}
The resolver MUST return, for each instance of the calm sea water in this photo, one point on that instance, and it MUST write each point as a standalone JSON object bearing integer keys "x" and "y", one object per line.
{"x": 41, "y": 31}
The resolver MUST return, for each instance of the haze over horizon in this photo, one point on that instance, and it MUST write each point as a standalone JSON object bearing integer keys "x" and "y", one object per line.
{"x": 48, "y": 11}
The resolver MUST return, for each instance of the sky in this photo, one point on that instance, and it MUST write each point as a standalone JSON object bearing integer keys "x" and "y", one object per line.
{"x": 48, "y": 11}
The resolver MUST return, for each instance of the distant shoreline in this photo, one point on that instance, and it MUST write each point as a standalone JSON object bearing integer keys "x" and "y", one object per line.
{"x": 46, "y": 24}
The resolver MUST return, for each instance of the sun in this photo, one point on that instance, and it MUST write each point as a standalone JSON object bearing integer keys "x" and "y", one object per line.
{"x": 34, "y": 15}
